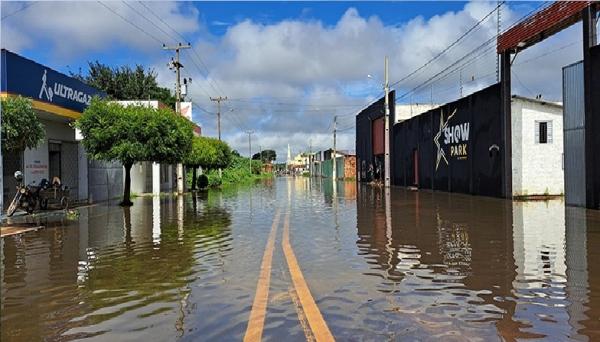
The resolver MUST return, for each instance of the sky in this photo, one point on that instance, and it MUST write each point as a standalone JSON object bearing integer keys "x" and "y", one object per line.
{"x": 287, "y": 68}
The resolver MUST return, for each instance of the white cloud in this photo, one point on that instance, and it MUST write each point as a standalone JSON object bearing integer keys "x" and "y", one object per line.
{"x": 75, "y": 29}
{"x": 286, "y": 80}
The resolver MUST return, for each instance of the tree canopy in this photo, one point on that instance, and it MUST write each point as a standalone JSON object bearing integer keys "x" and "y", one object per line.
{"x": 21, "y": 127}
{"x": 112, "y": 132}
{"x": 126, "y": 83}
{"x": 208, "y": 153}
{"x": 265, "y": 156}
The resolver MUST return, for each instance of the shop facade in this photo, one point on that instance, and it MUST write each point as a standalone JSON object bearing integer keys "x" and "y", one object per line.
{"x": 58, "y": 101}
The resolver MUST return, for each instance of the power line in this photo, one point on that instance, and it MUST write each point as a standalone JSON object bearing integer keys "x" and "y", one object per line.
{"x": 449, "y": 46}
{"x": 220, "y": 91}
{"x": 150, "y": 21}
{"x": 27, "y": 5}
{"x": 130, "y": 22}
{"x": 522, "y": 84}
{"x": 462, "y": 59}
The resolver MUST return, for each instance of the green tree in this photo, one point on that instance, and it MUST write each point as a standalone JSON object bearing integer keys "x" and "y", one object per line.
{"x": 208, "y": 153}
{"x": 126, "y": 83}
{"x": 134, "y": 134}
{"x": 224, "y": 154}
{"x": 202, "y": 154}
{"x": 21, "y": 127}
{"x": 265, "y": 156}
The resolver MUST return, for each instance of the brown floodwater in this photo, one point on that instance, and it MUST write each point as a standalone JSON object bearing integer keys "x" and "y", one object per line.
{"x": 401, "y": 266}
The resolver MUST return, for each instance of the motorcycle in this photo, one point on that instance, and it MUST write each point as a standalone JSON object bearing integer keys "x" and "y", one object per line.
{"x": 27, "y": 196}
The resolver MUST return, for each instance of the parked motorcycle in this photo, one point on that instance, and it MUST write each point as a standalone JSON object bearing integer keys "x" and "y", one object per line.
{"x": 26, "y": 198}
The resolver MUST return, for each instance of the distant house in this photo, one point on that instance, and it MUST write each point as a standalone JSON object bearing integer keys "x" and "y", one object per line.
{"x": 321, "y": 164}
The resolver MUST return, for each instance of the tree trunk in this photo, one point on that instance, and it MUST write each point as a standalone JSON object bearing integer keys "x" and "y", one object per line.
{"x": 194, "y": 178}
{"x": 127, "y": 188}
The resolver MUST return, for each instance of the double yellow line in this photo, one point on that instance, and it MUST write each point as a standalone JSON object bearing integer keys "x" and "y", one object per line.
{"x": 313, "y": 315}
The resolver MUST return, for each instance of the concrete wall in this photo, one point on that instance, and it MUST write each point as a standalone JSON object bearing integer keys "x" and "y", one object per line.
{"x": 139, "y": 178}
{"x": 537, "y": 169}
{"x": 105, "y": 180}
{"x": 407, "y": 111}
{"x": 146, "y": 176}
{"x": 349, "y": 167}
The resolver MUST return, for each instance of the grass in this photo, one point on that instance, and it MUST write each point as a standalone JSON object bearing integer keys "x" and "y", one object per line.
{"x": 237, "y": 173}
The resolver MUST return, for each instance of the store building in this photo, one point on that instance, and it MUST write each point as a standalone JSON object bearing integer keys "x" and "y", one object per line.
{"x": 58, "y": 101}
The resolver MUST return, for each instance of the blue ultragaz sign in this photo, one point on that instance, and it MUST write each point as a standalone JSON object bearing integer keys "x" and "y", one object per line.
{"x": 25, "y": 77}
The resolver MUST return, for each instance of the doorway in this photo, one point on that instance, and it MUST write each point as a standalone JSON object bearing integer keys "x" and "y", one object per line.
{"x": 54, "y": 160}
{"x": 416, "y": 167}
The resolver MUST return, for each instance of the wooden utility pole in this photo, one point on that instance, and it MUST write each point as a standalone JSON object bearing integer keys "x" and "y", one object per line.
{"x": 334, "y": 176}
{"x": 176, "y": 64}
{"x": 218, "y": 101}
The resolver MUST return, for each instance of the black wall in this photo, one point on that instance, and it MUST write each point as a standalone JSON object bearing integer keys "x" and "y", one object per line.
{"x": 364, "y": 137}
{"x": 478, "y": 171}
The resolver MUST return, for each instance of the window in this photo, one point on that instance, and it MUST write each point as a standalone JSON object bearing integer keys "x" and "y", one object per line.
{"x": 543, "y": 132}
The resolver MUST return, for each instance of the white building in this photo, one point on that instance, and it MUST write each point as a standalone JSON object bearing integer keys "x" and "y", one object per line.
{"x": 407, "y": 111}
{"x": 537, "y": 147}
{"x": 150, "y": 177}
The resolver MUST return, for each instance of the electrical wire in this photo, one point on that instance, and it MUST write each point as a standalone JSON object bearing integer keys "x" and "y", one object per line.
{"x": 148, "y": 20}
{"x": 130, "y": 22}
{"x": 449, "y": 46}
{"x": 27, "y": 5}
{"x": 462, "y": 59}
{"x": 193, "y": 49}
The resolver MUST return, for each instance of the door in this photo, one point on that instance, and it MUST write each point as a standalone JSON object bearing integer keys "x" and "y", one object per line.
{"x": 54, "y": 160}
{"x": 416, "y": 167}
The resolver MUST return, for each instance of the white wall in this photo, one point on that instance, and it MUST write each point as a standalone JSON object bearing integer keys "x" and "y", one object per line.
{"x": 36, "y": 160}
{"x": 407, "y": 111}
{"x": 537, "y": 169}
{"x": 138, "y": 177}
{"x": 83, "y": 173}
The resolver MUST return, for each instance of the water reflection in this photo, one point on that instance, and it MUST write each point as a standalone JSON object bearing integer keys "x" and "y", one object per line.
{"x": 477, "y": 266}
{"x": 382, "y": 265}
{"x": 114, "y": 270}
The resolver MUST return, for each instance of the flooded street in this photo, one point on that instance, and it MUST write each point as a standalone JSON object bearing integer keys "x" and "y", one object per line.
{"x": 421, "y": 266}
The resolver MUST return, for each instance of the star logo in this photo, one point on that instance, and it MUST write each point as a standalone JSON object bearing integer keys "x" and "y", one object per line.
{"x": 436, "y": 139}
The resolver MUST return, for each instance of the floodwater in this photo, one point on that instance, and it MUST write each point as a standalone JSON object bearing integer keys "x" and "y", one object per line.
{"x": 419, "y": 266}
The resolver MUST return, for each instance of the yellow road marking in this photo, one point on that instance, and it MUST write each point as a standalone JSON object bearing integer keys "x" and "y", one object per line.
{"x": 259, "y": 307}
{"x": 311, "y": 310}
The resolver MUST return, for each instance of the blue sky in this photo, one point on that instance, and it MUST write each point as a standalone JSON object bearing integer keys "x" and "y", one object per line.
{"x": 217, "y": 17}
{"x": 288, "y": 67}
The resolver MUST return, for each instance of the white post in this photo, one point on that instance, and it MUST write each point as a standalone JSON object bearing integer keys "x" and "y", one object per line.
{"x": 334, "y": 176}
{"x": 155, "y": 179}
{"x": 387, "y": 127}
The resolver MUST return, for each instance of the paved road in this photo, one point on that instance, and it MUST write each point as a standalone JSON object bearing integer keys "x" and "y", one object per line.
{"x": 298, "y": 259}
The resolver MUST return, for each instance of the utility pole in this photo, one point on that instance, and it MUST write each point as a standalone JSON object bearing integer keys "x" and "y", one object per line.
{"x": 387, "y": 126}
{"x": 176, "y": 64}
{"x": 498, "y": 35}
{"x": 218, "y": 101}
{"x": 250, "y": 132}
{"x": 334, "y": 149}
